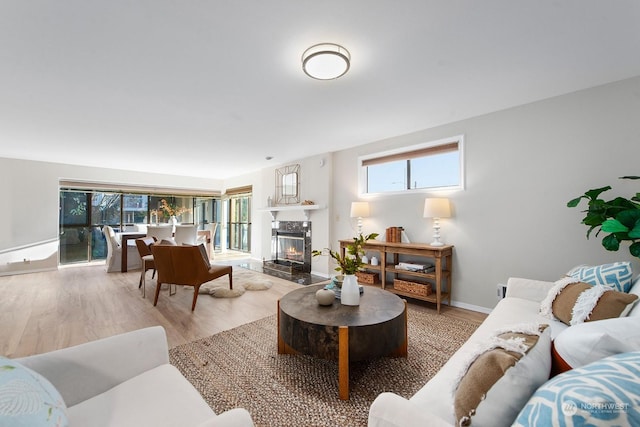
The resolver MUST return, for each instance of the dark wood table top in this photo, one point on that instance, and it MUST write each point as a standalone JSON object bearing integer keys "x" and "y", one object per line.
{"x": 376, "y": 306}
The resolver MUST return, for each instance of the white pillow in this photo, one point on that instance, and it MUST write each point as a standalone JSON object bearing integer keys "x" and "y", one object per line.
{"x": 635, "y": 289}
{"x": 587, "y": 342}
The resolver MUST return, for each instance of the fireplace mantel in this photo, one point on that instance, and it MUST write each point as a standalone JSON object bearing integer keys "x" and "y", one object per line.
{"x": 306, "y": 209}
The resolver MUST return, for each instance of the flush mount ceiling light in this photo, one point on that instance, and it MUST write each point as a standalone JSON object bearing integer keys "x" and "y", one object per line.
{"x": 326, "y": 61}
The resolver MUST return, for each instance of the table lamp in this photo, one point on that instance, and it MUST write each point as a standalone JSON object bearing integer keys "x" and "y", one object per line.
{"x": 436, "y": 208}
{"x": 359, "y": 210}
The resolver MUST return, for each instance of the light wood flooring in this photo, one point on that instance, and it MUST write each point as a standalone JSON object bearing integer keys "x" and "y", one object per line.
{"x": 40, "y": 312}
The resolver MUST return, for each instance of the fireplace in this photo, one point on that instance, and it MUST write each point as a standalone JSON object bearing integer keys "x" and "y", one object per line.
{"x": 290, "y": 247}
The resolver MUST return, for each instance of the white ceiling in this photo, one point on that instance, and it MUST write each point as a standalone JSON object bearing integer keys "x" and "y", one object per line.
{"x": 211, "y": 88}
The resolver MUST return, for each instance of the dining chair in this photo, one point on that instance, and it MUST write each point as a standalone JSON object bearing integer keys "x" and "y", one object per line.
{"x": 160, "y": 231}
{"x": 114, "y": 252}
{"x": 186, "y": 234}
{"x": 144, "y": 249}
{"x": 187, "y": 266}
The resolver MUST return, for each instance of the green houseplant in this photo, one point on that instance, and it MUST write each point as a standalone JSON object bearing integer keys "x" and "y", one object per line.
{"x": 352, "y": 260}
{"x": 620, "y": 217}
{"x": 348, "y": 265}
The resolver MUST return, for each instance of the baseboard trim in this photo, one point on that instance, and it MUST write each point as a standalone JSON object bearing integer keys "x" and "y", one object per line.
{"x": 471, "y": 307}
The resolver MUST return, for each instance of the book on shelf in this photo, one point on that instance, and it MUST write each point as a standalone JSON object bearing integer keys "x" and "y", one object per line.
{"x": 418, "y": 268}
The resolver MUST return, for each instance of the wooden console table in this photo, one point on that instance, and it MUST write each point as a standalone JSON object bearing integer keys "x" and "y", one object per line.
{"x": 389, "y": 254}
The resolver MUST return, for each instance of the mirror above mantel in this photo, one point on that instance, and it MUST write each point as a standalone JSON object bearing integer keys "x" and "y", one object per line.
{"x": 288, "y": 185}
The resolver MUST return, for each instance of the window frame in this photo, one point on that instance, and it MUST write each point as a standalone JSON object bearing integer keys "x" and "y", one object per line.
{"x": 397, "y": 153}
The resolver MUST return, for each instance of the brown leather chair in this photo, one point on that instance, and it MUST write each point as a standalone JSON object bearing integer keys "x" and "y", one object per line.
{"x": 144, "y": 249}
{"x": 187, "y": 266}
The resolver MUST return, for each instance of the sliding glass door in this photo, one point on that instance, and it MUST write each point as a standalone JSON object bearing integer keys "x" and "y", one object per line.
{"x": 84, "y": 213}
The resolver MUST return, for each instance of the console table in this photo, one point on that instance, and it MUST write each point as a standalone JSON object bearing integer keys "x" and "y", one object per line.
{"x": 389, "y": 253}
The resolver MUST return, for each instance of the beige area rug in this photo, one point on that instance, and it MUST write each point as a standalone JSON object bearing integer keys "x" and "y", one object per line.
{"x": 241, "y": 368}
{"x": 243, "y": 280}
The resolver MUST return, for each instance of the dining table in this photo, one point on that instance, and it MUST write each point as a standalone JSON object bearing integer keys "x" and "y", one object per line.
{"x": 125, "y": 237}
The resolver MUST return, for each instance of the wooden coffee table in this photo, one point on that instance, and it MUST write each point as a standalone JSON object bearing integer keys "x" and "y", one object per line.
{"x": 375, "y": 328}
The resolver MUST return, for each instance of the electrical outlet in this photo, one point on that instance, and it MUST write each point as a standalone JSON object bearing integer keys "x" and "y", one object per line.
{"x": 501, "y": 290}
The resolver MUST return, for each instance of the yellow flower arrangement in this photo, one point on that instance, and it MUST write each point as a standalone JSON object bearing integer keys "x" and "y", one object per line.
{"x": 167, "y": 209}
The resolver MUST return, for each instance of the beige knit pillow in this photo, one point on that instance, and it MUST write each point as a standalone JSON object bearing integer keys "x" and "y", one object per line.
{"x": 502, "y": 374}
{"x": 573, "y": 302}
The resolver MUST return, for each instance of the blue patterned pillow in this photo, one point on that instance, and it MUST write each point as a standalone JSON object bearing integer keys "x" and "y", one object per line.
{"x": 617, "y": 275}
{"x": 28, "y": 399}
{"x": 602, "y": 393}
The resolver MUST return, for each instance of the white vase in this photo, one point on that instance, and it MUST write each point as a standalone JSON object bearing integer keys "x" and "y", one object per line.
{"x": 350, "y": 291}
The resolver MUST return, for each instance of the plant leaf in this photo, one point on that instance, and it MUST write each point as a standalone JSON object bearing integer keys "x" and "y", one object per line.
{"x": 614, "y": 226}
{"x": 634, "y": 249}
{"x": 611, "y": 243}
{"x": 630, "y": 177}
{"x": 574, "y": 202}
{"x": 593, "y": 194}
{"x": 635, "y": 232}
{"x": 590, "y": 230}
{"x": 594, "y": 219}
{"x": 629, "y": 217}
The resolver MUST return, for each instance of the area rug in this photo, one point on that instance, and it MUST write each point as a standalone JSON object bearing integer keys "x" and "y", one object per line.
{"x": 241, "y": 368}
{"x": 243, "y": 280}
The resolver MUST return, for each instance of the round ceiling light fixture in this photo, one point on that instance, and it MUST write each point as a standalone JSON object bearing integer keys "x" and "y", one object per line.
{"x": 326, "y": 61}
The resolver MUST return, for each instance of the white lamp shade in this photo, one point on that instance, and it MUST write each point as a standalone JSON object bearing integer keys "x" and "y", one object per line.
{"x": 437, "y": 208}
{"x": 359, "y": 209}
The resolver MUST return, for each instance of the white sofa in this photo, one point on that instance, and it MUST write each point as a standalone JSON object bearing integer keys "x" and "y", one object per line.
{"x": 432, "y": 405}
{"x": 127, "y": 380}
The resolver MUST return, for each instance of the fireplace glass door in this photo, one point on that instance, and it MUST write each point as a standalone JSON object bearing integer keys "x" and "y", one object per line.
{"x": 290, "y": 249}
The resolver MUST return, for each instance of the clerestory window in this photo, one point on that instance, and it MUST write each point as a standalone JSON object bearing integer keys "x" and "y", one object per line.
{"x": 431, "y": 166}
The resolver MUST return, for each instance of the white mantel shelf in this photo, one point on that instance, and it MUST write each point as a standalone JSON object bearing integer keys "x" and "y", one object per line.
{"x": 306, "y": 209}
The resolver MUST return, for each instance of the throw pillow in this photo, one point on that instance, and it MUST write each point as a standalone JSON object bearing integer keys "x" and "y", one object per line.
{"x": 601, "y": 393}
{"x": 573, "y": 302}
{"x": 588, "y": 342}
{"x": 501, "y": 375}
{"x": 27, "y": 398}
{"x": 617, "y": 275}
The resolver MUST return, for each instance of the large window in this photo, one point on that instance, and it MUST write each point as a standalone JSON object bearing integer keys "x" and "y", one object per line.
{"x": 83, "y": 214}
{"x": 435, "y": 165}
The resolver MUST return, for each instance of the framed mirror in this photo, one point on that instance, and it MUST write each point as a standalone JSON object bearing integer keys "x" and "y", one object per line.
{"x": 288, "y": 185}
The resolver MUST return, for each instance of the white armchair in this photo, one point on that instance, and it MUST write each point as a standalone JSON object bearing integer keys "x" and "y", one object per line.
{"x": 127, "y": 380}
{"x": 114, "y": 252}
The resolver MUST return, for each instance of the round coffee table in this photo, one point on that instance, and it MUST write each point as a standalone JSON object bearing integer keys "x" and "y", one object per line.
{"x": 375, "y": 328}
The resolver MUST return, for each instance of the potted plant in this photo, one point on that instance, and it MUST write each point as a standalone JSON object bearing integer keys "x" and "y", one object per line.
{"x": 619, "y": 217}
{"x": 348, "y": 265}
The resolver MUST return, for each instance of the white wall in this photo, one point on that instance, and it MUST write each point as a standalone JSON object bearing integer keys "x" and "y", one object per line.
{"x": 315, "y": 185}
{"x": 29, "y": 219}
{"x": 522, "y": 166}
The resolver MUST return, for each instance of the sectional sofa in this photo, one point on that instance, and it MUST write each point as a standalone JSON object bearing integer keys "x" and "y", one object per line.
{"x": 523, "y": 393}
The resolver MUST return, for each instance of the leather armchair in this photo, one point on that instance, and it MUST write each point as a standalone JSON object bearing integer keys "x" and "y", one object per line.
{"x": 187, "y": 266}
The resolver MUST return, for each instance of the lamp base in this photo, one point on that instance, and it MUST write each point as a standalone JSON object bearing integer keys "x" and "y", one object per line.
{"x": 436, "y": 243}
